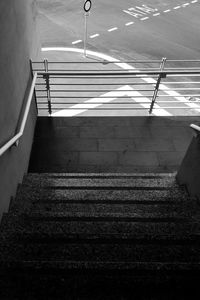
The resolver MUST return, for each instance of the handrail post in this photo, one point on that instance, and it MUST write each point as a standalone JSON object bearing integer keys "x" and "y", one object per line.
{"x": 46, "y": 77}
{"x": 162, "y": 65}
{"x": 32, "y": 74}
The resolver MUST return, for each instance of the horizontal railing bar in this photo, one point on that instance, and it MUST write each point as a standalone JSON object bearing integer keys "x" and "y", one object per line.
{"x": 181, "y": 89}
{"x": 93, "y": 109}
{"x": 182, "y": 82}
{"x": 98, "y": 71}
{"x": 134, "y": 96}
{"x": 100, "y": 62}
{"x": 185, "y": 95}
{"x": 98, "y": 77}
{"x": 117, "y": 61}
{"x": 115, "y": 103}
{"x": 114, "y": 71}
{"x": 138, "y": 90}
{"x": 96, "y": 102}
{"x": 184, "y": 75}
{"x": 182, "y": 68}
{"x": 73, "y": 73}
{"x": 90, "y": 97}
{"x": 122, "y": 108}
{"x": 182, "y": 60}
{"x": 120, "y": 83}
{"x": 99, "y": 91}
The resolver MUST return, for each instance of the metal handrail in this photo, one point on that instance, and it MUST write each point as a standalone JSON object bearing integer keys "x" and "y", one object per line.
{"x": 196, "y": 128}
{"x": 15, "y": 139}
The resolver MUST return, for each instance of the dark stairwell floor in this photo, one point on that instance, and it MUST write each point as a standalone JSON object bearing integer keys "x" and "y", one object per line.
{"x": 100, "y": 236}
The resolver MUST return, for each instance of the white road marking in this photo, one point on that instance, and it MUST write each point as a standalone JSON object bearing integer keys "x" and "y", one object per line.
{"x": 185, "y": 4}
{"x": 157, "y": 14}
{"x": 76, "y": 42}
{"x": 145, "y": 18}
{"x": 195, "y": 1}
{"x": 94, "y": 35}
{"x": 158, "y": 111}
{"x": 167, "y": 10}
{"x": 112, "y": 29}
{"x": 129, "y": 23}
{"x": 176, "y": 7}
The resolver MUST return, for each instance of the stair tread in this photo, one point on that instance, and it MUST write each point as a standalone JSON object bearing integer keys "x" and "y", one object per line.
{"x": 107, "y": 174}
{"x": 92, "y": 250}
{"x": 36, "y": 193}
{"x": 105, "y": 265}
{"x": 127, "y": 222}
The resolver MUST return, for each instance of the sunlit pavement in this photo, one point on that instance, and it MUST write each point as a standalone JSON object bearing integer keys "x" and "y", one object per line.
{"x": 122, "y": 30}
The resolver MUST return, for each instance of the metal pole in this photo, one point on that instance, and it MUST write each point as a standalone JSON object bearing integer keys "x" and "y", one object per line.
{"x": 85, "y": 34}
{"x": 162, "y": 65}
{"x": 46, "y": 76}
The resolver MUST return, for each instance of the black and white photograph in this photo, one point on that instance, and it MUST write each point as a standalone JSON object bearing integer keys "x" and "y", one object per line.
{"x": 99, "y": 149}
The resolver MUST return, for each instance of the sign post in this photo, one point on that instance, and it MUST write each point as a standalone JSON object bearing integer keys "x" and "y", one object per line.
{"x": 87, "y": 7}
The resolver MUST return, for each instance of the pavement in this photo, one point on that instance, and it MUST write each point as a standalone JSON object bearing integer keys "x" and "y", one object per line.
{"x": 121, "y": 31}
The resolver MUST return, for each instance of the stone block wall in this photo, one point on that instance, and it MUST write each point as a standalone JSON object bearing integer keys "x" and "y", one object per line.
{"x": 110, "y": 144}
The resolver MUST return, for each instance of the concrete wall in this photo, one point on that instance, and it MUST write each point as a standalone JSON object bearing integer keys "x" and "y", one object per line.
{"x": 19, "y": 43}
{"x": 110, "y": 144}
{"x": 189, "y": 171}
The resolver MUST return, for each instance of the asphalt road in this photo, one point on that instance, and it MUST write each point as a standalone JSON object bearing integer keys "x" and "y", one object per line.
{"x": 125, "y": 30}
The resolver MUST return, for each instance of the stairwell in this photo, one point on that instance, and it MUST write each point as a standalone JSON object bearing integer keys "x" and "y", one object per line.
{"x": 100, "y": 236}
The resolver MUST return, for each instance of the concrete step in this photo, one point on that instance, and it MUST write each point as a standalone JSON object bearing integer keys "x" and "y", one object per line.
{"x": 103, "y": 251}
{"x": 96, "y": 211}
{"x": 100, "y": 180}
{"x": 63, "y": 227}
{"x": 35, "y": 193}
{"x": 90, "y": 285}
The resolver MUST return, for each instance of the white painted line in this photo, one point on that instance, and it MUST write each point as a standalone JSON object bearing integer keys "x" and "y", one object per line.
{"x": 131, "y": 8}
{"x": 176, "y": 7}
{"x": 185, "y": 4}
{"x": 145, "y": 18}
{"x": 94, "y": 35}
{"x": 129, "y": 23}
{"x": 167, "y": 10}
{"x": 194, "y": 1}
{"x": 112, "y": 29}
{"x": 76, "y": 42}
{"x": 157, "y": 14}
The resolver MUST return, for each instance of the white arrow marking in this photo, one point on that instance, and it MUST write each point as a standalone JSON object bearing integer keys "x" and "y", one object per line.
{"x": 126, "y": 66}
{"x": 125, "y": 90}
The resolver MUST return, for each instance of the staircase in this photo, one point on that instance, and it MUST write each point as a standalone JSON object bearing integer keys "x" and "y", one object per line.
{"x": 100, "y": 236}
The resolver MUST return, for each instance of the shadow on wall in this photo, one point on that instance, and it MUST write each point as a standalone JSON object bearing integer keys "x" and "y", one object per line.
{"x": 110, "y": 144}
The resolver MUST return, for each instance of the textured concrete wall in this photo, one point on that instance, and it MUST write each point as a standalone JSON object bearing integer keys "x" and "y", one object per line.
{"x": 19, "y": 43}
{"x": 189, "y": 171}
{"x": 106, "y": 144}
